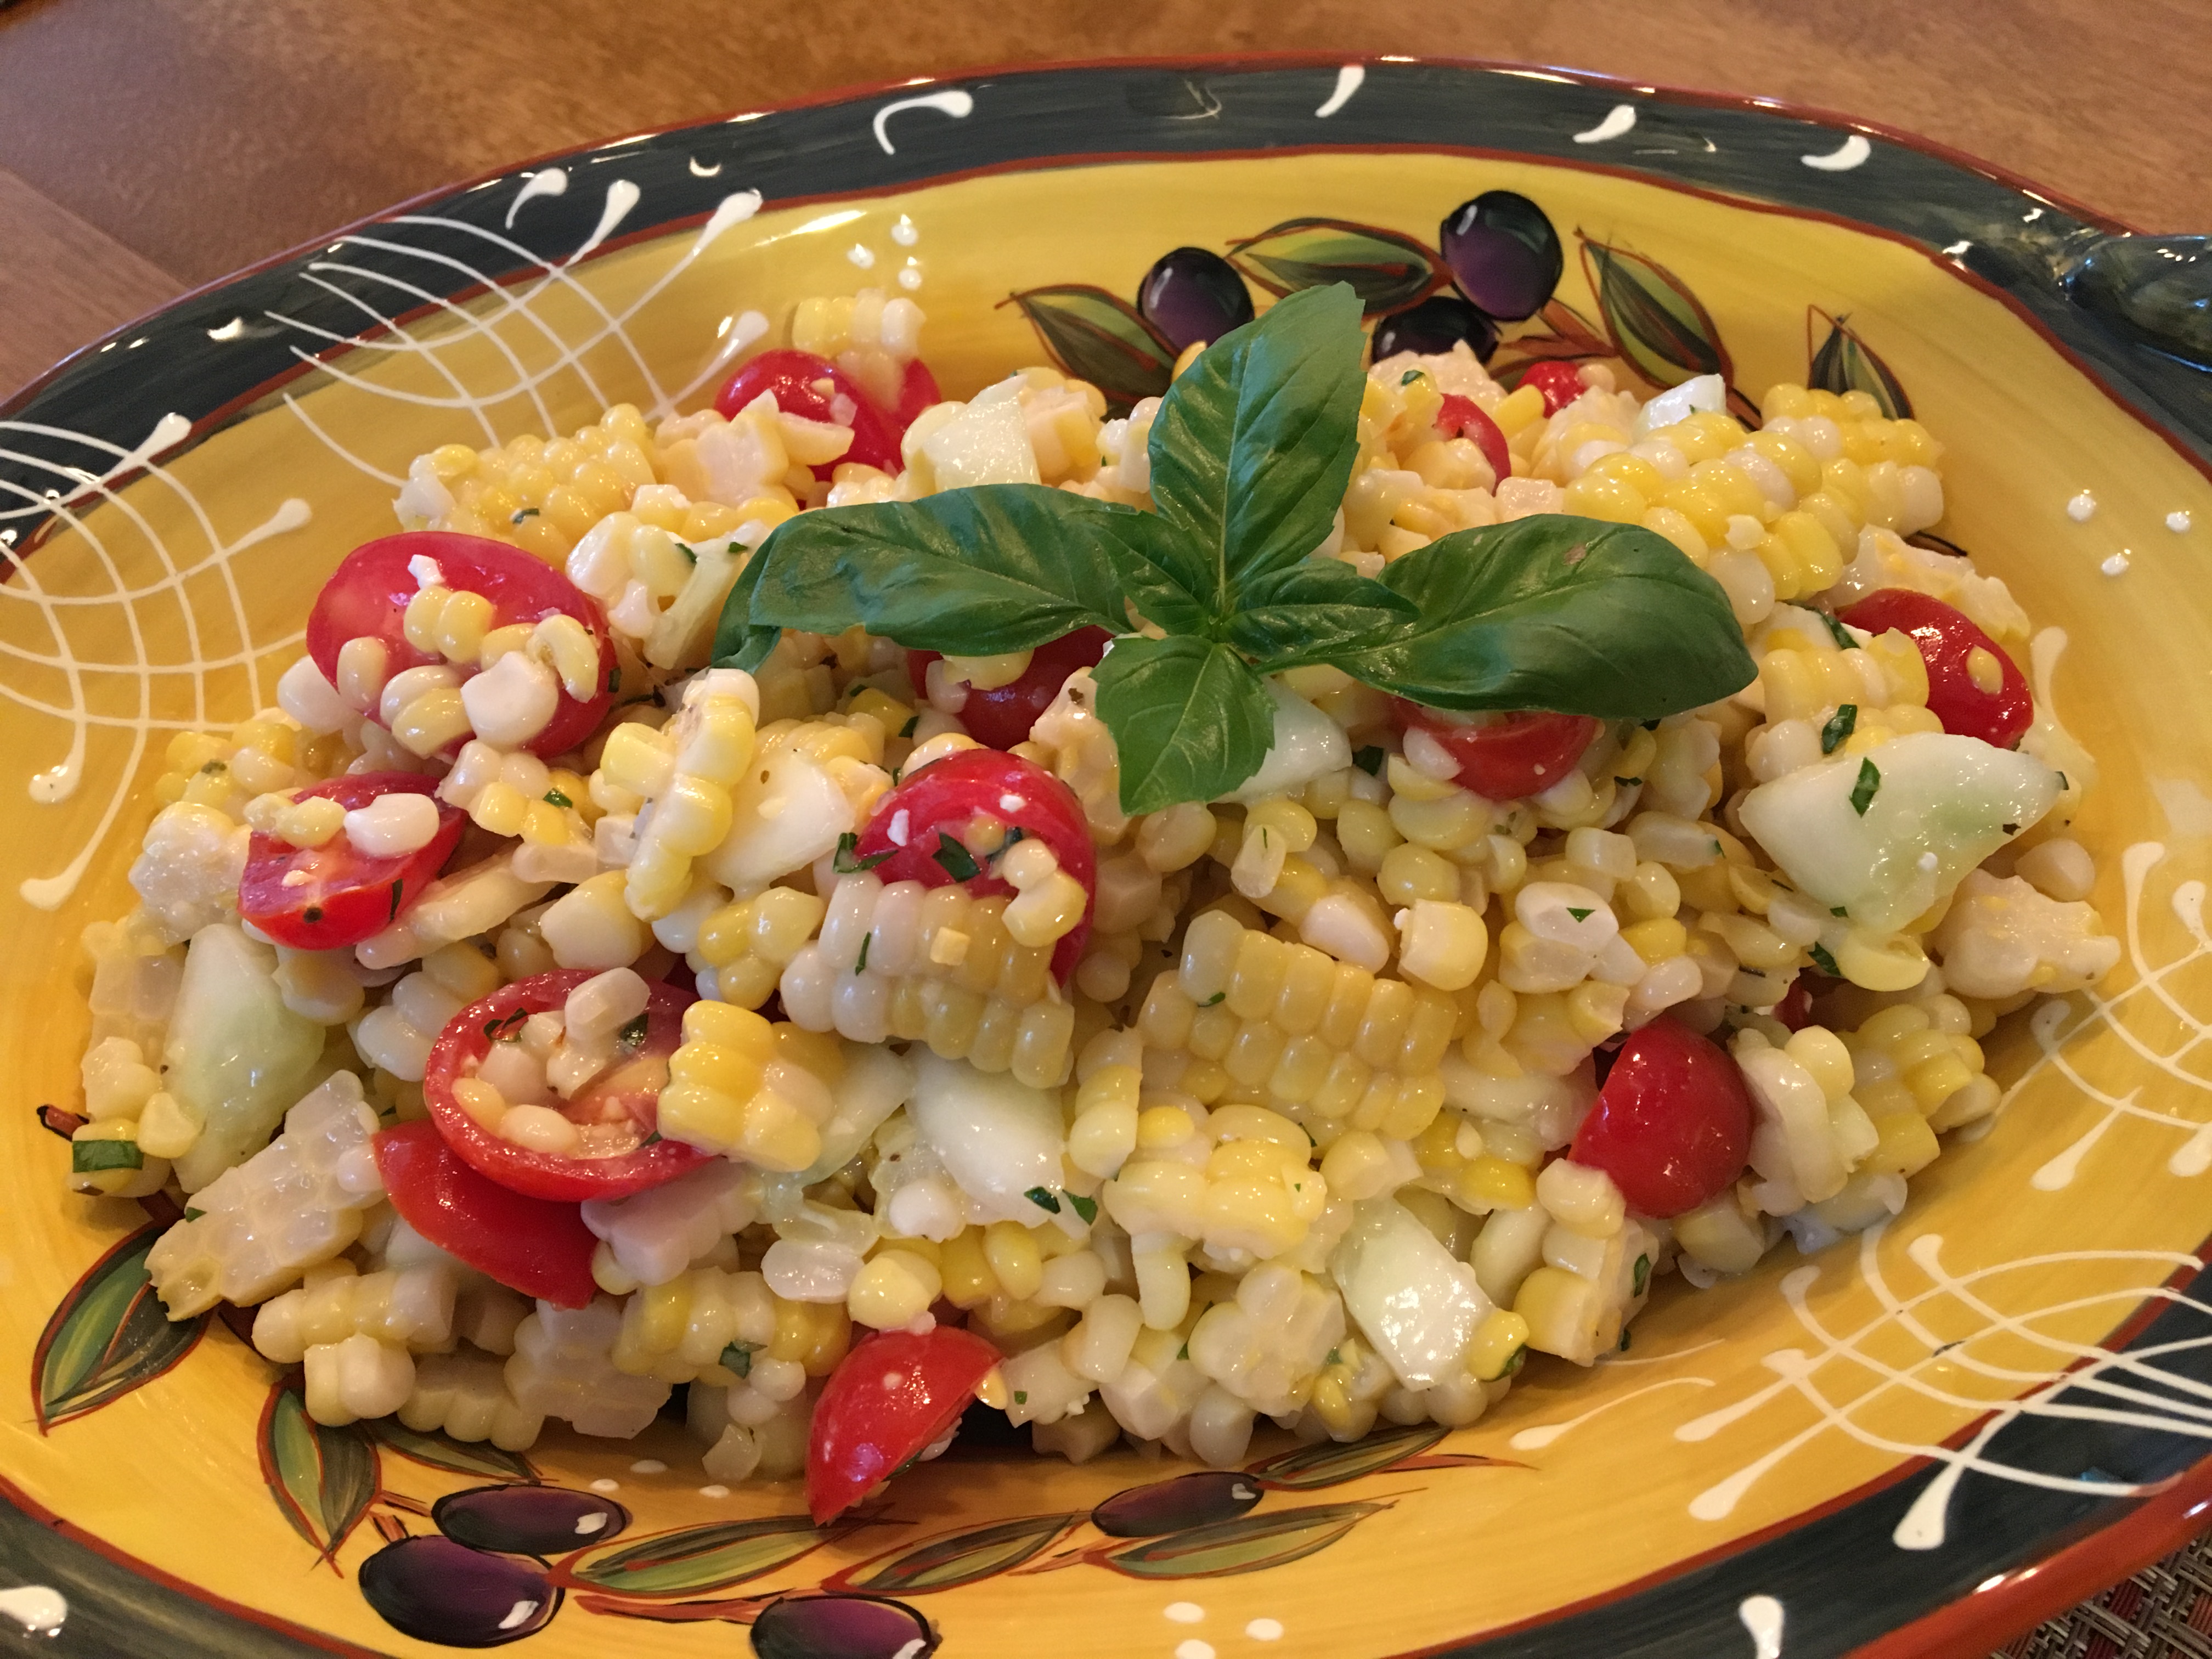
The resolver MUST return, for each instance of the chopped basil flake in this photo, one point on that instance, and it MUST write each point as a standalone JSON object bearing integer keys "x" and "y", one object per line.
{"x": 686, "y": 552}
{"x": 614, "y": 681}
{"x": 507, "y": 1028}
{"x": 1370, "y": 760}
{"x": 1862, "y": 791}
{"x": 1021, "y": 1396}
{"x": 1838, "y": 910}
{"x": 214, "y": 767}
{"x": 1840, "y": 725}
{"x": 843, "y": 861}
{"x": 1579, "y": 915}
{"x": 2011, "y": 829}
{"x": 527, "y": 513}
{"x": 1642, "y": 1275}
{"x": 1624, "y": 1338}
{"x": 1412, "y": 375}
{"x": 194, "y": 1215}
{"x": 1087, "y": 1208}
{"x": 1335, "y": 1357}
{"x": 1044, "y": 1198}
{"x": 2063, "y": 784}
{"x": 867, "y": 939}
{"x": 1217, "y": 997}
{"x": 1843, "y": 640}
{"x": 87, "y": 1156}
{"x": 652, "y": 1139}
{"x": 1520, "y": 1358}
{"x": 738, "y": 1358}
{"x": 1183, "y": 1352}
{"x": 1627, "y": 783}
{"x": 1648, "y": 726}
{"x": 1824, "y": 962}
{"x": 913, "y": 720}
{"x": 629, "y": 1035}
{"x": 956, "y": 860}
{"x": 555, "y": 798}
{"x": 398, "y": 891}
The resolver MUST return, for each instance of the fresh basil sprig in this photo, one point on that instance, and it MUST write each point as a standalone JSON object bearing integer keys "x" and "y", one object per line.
{"x": 1250, "y": 454}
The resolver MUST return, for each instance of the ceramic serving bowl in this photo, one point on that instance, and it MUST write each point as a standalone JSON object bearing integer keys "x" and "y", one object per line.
{"x": 1916, "y": 1442}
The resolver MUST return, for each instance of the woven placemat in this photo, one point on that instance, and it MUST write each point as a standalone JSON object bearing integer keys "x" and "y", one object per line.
{"x": 2164, "y": 1612}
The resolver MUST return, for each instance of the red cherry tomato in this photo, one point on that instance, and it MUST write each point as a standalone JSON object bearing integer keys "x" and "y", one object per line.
{"x": 1462, "y": 417}
{"x": 1002, "y": 716}
{"x": 1560, "y": 383}
{"x": 807, "y": 385}
{"x": 1508, "y": 757}
{"x": 933, "y": 812}
{"x": 366, "y": 596}
{"x": 1672, "y": 1126}
{"x": 1948, "y": 640}
{"x": 626, "y": 1095}
{"x": 343, "y": 896}
{"x": 528, "y": 1245}
{"x": 892, "y": 1398}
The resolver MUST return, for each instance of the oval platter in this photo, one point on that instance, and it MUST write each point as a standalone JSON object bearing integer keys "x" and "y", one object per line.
{"x": 1915, "y": 1442}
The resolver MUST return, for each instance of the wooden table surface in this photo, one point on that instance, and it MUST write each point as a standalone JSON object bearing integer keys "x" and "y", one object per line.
{"x": 148, "y": 146}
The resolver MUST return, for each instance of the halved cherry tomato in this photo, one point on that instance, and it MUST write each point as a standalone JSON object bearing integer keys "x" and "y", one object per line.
{"x": 1002, "y": 716}
{"x": 1559, "y": 383}
{"x": 1948, "y": 640}
{"x": 627, "y": 1094}
{"x": 921, "y": 831}
{"x": 799, "y": 379}
{"x": 344, "y": 897}
{"x": 529, "y": 1245}
{"x": 1672, "y": 1126}
{"x": 889, "y": 1399}
{"x": 1504, "y": 756}
{"x": 366, "y": 596}
{"x": 1462, "y": 418}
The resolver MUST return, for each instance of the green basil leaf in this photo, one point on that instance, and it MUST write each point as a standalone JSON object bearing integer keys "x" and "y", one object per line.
{"x": 1162, "y": 574}
{"x": 1191, "y": 719}
{"x": 1255, "y": 442}
{"x": 1557, "y": 613}
{"x": 739, "y": 643}
{"x": 988, "y": 568}
{"x": 1305, "y": 611}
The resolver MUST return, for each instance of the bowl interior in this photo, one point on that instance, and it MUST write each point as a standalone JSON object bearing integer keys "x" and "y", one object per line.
{"x": 172, "y": 600}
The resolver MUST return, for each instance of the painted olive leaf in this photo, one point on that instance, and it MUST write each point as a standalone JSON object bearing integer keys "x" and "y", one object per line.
{"x": 1386, "y": 270}
{"x": 440, "y": 1451}
{"x": 1661, "y": 328}
{"x": 696, "y": 1560}
{"x": 1098, "y": 336}
{"x": 109, "y": 1336}
{"x": 323, "y": 1478}
{"x": 1251, "y": 1544}
{"x": 1303, "y": 1468}
{"x": 958, "y": 1557}
{"x": 1843, "y": 362}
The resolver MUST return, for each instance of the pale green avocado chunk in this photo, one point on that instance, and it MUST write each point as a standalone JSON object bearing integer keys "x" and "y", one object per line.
{"x": 1885, "y": 835}
{"x": 237, "y": 1058}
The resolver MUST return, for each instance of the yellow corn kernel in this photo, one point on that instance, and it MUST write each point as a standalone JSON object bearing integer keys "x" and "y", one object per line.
{"x": 1489, "y": 1183}
{"x": 969, "y": 1278}
{"x": 1015, "y": 1262}
{"x": 1498, "y": 1344}
{"x": 1657, "y": 940}
{"x": 892, "y": 1289}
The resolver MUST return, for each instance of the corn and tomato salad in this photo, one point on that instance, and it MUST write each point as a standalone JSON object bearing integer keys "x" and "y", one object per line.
{"x": 535, "y": 1019}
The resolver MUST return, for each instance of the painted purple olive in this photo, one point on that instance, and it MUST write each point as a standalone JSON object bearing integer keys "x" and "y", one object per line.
{"x": 1190, "y": 295}
{"x": 528, "y": 1519}
{"x": 437, "y": 1590}
{"x": 1176, "y": 1505}
{"x": 827, "y": 1625}
{"x": 1504, "y": 254}
{"x": 1433, "y": 326}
